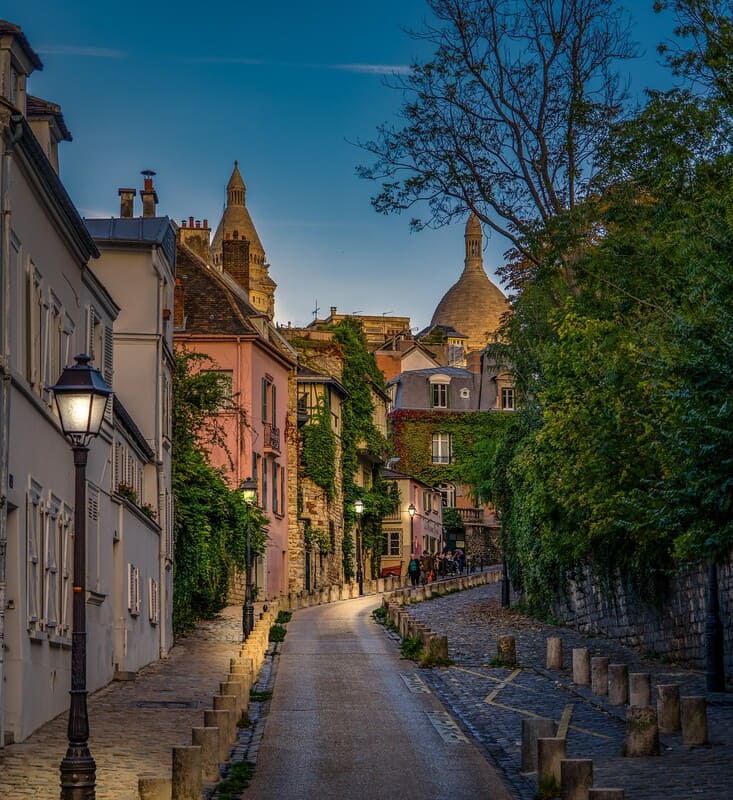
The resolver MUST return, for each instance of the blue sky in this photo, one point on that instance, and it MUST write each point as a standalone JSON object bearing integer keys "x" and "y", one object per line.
{"x": 186, "y": 88}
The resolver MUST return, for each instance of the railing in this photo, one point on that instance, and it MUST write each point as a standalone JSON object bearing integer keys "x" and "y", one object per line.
{"x": 272, "y": 437}
{"x": 471, "y": 515}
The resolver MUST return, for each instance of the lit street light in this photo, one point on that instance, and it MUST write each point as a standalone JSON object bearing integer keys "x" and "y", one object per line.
{"x": 359, "y": 509}
{"x": 81, "y": 397}
{"x": 249, "y": 493}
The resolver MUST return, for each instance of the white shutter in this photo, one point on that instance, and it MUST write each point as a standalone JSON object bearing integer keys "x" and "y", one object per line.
{"x": 91, "y": 322}
{"x": 153, "y": 602}
{"x": 133, "y": 589}
{"x": 108, "y": 368}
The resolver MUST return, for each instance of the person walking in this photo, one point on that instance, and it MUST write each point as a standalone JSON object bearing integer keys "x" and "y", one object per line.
{"x": 413, "y": 570}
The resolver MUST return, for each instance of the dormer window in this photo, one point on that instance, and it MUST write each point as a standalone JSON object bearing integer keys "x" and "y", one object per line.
{"x": 439, "y": 391}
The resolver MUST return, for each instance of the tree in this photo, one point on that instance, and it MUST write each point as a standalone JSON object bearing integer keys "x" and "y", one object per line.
{"x": 506, "y": 117}
{"x": 211, "y": 520}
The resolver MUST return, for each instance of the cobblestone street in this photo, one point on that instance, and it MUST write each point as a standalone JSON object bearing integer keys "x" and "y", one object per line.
{"x": 133, "y": 724}
{"x": 491, "y": 702}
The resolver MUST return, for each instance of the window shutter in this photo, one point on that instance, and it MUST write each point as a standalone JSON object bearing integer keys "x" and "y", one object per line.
{"x": 153, "y": 602}
{"x": 264, "y": 399}
{"x": 274, "y": 404}
{"x": 133, "y": 589}
{"x": 91, "y": 322}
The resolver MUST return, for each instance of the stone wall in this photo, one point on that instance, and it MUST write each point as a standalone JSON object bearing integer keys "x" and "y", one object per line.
{"x": 674, "y": 631}
{"x": 483, "y": 542}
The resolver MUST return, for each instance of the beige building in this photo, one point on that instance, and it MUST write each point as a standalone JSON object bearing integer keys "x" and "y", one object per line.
{"x": 53, "y": 306}
{"x": 378, "y": 329}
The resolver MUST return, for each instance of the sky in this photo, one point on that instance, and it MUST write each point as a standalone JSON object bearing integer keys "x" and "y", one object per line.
{"x": 285, "y": 88}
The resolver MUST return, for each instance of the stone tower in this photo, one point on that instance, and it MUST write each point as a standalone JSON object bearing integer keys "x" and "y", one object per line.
{"x": 236, "y": 224}
{"x": 474, "y": 305}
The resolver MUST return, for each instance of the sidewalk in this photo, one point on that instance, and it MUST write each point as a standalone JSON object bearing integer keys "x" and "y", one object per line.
{"x": 133, "y": 724}
{"x": 491, "y": 702}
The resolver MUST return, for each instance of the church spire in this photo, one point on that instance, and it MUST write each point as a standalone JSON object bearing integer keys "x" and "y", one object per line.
{"x": 474, "y": 244}
{"x": 236, "y": 189}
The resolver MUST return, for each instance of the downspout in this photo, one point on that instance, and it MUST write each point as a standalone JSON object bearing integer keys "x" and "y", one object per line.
{"x": 163, "y": 505}
{"x": 15, "y": 134}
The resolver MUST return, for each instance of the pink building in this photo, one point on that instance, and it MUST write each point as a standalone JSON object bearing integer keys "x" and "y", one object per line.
{"x": 213, "y": 316}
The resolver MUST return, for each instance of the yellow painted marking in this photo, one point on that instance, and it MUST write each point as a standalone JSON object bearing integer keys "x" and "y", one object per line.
{"x": 562, "y": 730}
{"x": 503, "y": 683}
{"x": 526, "y": 713}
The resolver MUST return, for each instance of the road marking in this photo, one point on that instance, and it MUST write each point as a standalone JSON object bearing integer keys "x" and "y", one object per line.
{"x": 526, "y": 713}
{"x": 415, "y": 683}
{"x": 497, "y": 680}
{"x": 562, "y": 729}
{"x": 449, "y": 731}
{"x": 503, "y": 683}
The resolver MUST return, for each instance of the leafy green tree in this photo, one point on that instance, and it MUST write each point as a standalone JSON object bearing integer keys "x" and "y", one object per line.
{"x": 211, "y": 520}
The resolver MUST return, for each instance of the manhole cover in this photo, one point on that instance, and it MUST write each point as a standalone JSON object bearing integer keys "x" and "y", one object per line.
{"x": 171, "y": 704}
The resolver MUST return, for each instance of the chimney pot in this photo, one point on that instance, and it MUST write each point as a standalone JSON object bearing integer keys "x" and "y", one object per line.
{"x": 198, "y": 223}
{"x": 206, "y": 223}
{"x": 183, "y": 223}
{"x": 333, "y": 311}
{"x": 190, "y": 222}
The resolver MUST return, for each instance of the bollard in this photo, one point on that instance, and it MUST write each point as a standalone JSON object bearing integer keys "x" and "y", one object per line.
{"x": 219, "y": 720}
{"x": 436, "y": 651}
{"x": 550, "y": 752}
{"x": 581, "y": 666}
{"x": 237, "y": 689}
{"x": 694, "y": 716}
{"x": 152, "y": 787}
{"x": 532, "y": 729}
{"x": 640, "y": 689}
{"x": 618, "y": 684}
{"x": 668, "y": 707}
{"x": 186, "y": 783}
{"x": 554, "y": 652}
{"x": 228, "y": 702}
{"x": 599, "y": 675}
{"x": 605, "y": 794}
{"x": 576, "y": 777}
{"x": 506, "y": 650}
{"x": 208, "y": 740}
{"x": 642, "y": 732}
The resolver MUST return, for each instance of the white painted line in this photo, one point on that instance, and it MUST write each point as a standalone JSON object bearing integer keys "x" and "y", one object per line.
{"x": 415, "y": 683}
{"x": 449, "y": 732}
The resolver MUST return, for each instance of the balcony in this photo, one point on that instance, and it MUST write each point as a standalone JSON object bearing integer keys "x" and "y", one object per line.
{"x": 471, "y": 516}
{"x": 271, "y": 442}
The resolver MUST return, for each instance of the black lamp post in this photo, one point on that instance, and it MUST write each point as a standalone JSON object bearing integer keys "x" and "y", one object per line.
{"x": 81, "y": 396}
{"x": 249, "y": 493}
{"x": 359, "y": 509}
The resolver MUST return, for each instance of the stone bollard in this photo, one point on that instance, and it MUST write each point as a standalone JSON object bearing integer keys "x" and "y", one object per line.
{"x": 605, "y": 794}
{"x": 550, "y": 752}
{"x": 419, "y": 594}
{"x": 576, "y": 777}
{"x": 599, "y": 675}
{"x": 618, "y": 684}
{"x": 694, "y": 716}
{"x": 186, "y": 783}
{"x": 436, "y": 651}
{"x": 642, "y": 732}
{"x": 554, "y": 652}
{"x": 581, "y": 666}
{"x": 208, "y": 740}
{"x": 237, "y": 689}
{"x": 640, "y": 689}
{"x": 668, "y": 707}
{"x": 152, "y": 787}
{"x": 506, "y": 650}
{"x": 219, "y": 720}
{"x": 380, "y": 585}
{"x": 533, "y": 729}
{"x": 335, "y": 594}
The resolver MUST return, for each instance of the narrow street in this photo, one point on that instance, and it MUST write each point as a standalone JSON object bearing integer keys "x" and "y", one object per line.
{"x": 349, "y": 718}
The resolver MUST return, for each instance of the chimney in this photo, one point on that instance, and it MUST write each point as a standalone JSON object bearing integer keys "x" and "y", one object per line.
{"x": 333, "y": 311}
{"x": 235, "y": 260}
{"x": 148, "y": 194}
{"x": 179, "y": 296}
{"x": 127, "y": 200}
{"x": 196, "y": 237}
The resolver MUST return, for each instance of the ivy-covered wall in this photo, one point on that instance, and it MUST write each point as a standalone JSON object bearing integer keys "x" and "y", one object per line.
{"x": 412, "y": 434}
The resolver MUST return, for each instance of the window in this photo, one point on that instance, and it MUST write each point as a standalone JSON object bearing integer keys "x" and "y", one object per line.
{"x": 391, "y": 545}
{"x": 439, "y": 395}
{"x": 441, "y": 448}
{"x": 35, "y": 521}
{"x": 448, "y": 494}
{"x": 427, "y": 501}
{"x": 263, "y": 494}
{"x": 275, "y": 503}
{"x": 93, "y": 531}
{"x": 507, "y": 399}
{"x": 133, "y": 590}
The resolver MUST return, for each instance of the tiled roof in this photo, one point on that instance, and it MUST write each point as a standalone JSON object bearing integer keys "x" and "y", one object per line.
{"x": 9, "y": 28}
{"x": 36, "y": 108}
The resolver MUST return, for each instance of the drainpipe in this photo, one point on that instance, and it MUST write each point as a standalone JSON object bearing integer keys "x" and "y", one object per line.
{"x": 163, "y": 505}
{"x": 15, "y": 134}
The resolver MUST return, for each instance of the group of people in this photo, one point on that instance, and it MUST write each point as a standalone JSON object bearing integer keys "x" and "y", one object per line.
{"x": 427, "y": 567}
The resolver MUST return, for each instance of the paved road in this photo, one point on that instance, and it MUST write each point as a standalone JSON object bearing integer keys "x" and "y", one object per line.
{"x": 349, "y": 718}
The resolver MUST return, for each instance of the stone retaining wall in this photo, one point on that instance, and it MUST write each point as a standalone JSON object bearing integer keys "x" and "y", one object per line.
{"x": 675, "y": 631}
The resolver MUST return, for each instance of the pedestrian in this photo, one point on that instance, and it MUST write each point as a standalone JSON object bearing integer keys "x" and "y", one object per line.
{"x": 413, "y": 570}
{"x": 424, "y": 567}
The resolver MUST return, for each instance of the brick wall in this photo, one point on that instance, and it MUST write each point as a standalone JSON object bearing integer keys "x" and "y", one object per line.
{"x": 675, "y": 630}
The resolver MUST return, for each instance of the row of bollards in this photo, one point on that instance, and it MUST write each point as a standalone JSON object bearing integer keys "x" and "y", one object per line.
{"x": 200, "y": 762}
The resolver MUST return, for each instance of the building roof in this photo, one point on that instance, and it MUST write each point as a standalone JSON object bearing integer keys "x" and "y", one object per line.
{"x": 308, "y": 375}
{"x": 127, "y": 422}
{"x": 454, "y": 372}
{"x": 36, "y": 108}
{"x": 236, "y": 217}
{"x": 393, "y": 474}
{"x": 9, "y": 28}
{"x": 136, "y": 231}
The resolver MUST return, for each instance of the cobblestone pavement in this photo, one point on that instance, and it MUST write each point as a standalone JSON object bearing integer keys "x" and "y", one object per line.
{"x": 133, "y": 724}
{"x": 491, "y": 702}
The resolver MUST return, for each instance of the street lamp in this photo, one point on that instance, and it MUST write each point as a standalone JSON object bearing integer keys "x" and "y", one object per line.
{"x": 359, "y": 509}
{"x": 81, "y": 397}
{"x": 411, "y": 510}
{"x": 249, "y": 493}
